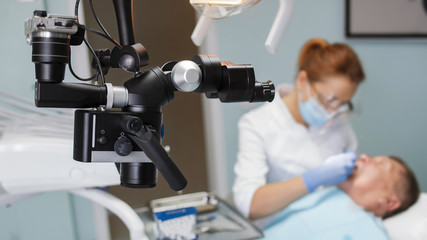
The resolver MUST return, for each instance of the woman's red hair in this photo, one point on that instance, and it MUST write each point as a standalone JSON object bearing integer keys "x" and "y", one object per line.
{"x": 319, "y": 59}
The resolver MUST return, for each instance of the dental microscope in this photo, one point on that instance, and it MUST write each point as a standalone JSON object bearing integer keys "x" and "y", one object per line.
{"x": 123, "y": 124}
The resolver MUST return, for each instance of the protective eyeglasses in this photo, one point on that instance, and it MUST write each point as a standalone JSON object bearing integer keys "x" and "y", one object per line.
{"x": 330, "y": 102}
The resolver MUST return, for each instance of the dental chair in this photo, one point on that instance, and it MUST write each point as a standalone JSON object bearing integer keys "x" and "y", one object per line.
{"x": 410, "y": 224}
{"x": 36, "y": 151}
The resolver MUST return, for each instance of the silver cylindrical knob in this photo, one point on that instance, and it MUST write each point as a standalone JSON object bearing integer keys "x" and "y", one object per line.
{"x": 186, "y": 76}
{"x": 117, "y": 97}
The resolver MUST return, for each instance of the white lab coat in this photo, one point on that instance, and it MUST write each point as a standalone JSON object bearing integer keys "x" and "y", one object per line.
{"x": 273, "y": 147}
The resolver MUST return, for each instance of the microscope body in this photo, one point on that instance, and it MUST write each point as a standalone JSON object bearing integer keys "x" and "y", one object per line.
{"x": 99, "y": 137}
{"x": 124, "y": 124}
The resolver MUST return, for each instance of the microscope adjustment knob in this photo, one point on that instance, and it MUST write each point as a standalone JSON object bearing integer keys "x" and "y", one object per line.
{"x": 123, "y": 146}
{"x": 186, "y": 76}
{"x": 102, "y": 140}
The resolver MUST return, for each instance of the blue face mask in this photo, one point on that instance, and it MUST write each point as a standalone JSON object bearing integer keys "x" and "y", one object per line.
{"x": 312, "y": 112}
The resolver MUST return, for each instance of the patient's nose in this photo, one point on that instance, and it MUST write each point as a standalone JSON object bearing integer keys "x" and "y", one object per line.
{"x": 364, "y": 158}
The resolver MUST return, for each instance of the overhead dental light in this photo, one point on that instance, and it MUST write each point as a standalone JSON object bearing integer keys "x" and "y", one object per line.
{"x": 218, "y": 9}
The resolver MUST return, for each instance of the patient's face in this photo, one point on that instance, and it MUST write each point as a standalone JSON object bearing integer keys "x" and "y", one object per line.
{"x": 372, "y": 183}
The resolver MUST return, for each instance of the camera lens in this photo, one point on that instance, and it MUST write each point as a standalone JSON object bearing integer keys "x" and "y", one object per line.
{"x": 138, "y": 175}
{"x": 50, "y": 55}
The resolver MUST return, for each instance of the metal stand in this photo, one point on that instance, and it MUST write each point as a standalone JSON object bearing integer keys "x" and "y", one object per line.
{"x": 117, "y": 206}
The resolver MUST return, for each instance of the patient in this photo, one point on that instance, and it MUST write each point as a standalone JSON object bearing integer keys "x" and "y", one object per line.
{"x": 381, "y": 185}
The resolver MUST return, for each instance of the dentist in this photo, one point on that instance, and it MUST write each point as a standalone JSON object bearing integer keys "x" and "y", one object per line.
{"x": 303, "y": 139}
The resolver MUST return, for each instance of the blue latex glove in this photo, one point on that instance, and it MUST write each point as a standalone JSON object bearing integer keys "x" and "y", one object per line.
{"x": 334, "y": 170}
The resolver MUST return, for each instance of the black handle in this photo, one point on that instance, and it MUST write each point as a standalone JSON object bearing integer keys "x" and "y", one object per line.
{"x": 124, "y": 16}
{"x": 143, "y": 136}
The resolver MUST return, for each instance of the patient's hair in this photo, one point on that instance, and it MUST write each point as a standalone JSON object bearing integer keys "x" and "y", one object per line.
{"x": 407, "y": 188}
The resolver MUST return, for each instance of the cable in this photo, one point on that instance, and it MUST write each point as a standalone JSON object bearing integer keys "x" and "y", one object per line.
{"x": 76, "y": 10}
{"x": 98, "y": 63}
{"x": 99, "y": 33}
{"x": 105, "y": 35}
{"x": 100, "y": 24}
{"x": 74, "y": 74}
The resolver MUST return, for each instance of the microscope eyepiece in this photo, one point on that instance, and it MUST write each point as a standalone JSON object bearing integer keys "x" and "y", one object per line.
{"x": 231, "y": 82}
{"x": 263, "y": 92}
